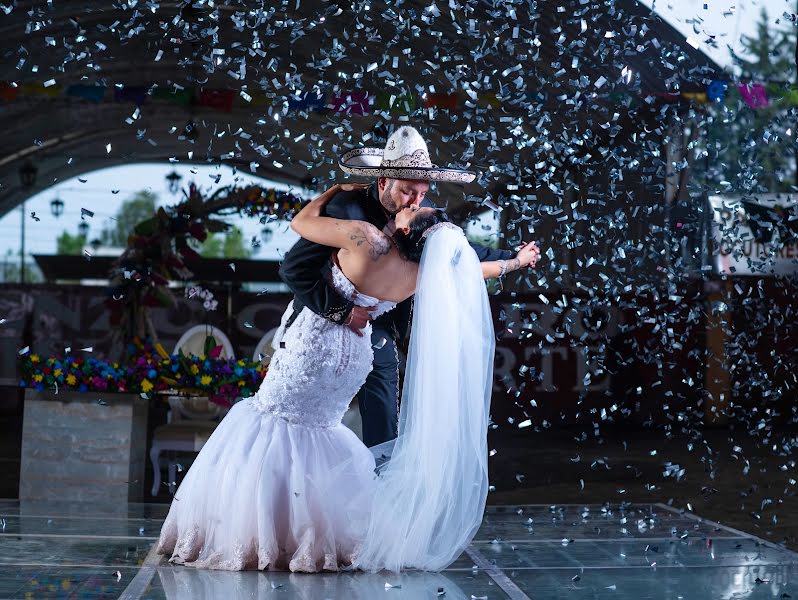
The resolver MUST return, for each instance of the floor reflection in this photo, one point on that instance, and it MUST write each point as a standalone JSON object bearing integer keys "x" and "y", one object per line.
{"x": 180, "y": 583}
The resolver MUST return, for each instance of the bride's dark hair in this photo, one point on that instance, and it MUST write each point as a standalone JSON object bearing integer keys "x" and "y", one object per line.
{"x": 411, "y": 246}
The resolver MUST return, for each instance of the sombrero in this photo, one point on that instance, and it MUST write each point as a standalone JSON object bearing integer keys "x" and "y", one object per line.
{"x": 405, "y": 157}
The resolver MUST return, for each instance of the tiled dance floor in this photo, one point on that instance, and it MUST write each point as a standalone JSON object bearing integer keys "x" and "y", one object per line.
{"x": 564, "y": 551}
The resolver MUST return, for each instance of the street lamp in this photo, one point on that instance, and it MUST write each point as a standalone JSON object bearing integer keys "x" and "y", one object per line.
{"x": 57, "y": 207}
{"x": 266, "y": 234}
{"x": 27, "y": 174}
{"x": 83, "y": 228}
{"x": 173, "y": 179}
{"x": 27, "y": 177}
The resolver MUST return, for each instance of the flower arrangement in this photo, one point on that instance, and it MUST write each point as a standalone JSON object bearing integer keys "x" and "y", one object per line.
{"x": 158, "y": 251}
{"x": 151, "y": 369}
{"x": 208, "y": 301}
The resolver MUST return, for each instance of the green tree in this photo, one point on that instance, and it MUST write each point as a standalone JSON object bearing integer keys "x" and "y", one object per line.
{"x": 134, "y": 210}
{"x": 10, "y": 269}
{"x": 235, "y": 246}
{"x": 70, "y": 244}
{"x": 228, "y": 245}
{"x": 212, "y": 247}
{"x": 769, "y": 55}
{"x": 751, "y": 148}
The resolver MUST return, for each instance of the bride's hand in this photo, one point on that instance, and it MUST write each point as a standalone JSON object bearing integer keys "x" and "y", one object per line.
{"x": 351, "y": 187}
{"x": 528, "y": 255}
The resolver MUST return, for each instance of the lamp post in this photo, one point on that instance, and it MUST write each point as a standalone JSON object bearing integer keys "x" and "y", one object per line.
{"x": 27, "y": 177}
{"x": 173, "y": 179}
{"x": 57, "y": 207}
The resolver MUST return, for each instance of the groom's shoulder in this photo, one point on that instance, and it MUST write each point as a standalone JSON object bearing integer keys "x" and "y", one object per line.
{"x": 348, "y": 205}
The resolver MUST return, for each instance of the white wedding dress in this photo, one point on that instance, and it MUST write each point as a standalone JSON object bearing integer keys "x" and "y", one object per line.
{"x": 283, "y": 484}
{"x": 258, "y": 495}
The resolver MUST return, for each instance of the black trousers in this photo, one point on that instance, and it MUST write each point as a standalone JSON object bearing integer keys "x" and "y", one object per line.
{"x": 379, "y": 397}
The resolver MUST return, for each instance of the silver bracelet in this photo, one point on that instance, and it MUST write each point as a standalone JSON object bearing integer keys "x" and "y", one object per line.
{"x": 504, "y": 269}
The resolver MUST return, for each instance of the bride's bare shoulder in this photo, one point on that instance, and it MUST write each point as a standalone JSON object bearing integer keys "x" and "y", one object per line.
{"x": 370, "y": 240}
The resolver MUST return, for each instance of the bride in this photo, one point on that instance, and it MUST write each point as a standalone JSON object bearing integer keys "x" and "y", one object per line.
{"x": 282, "y": 484}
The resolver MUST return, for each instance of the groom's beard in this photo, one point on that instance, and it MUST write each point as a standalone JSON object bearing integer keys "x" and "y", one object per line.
{"x": 388, "y": 203}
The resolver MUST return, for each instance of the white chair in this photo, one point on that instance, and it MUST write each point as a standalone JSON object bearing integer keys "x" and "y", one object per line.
{"x": 193, "y": 341}
{"x": 191, "y": 420}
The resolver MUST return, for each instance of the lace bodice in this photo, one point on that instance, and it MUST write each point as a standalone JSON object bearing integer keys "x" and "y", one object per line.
{"x": 347, "y": 288}
{"x": 318, "y": 366}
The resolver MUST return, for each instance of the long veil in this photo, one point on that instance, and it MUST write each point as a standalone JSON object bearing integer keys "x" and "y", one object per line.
{"x": 430, "y": 495}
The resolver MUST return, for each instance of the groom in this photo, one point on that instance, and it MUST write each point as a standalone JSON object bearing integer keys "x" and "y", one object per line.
{"x": 403, "y": 172}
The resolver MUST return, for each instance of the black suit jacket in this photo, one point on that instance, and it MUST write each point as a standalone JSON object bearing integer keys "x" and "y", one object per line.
{"x": 304, "y": 269}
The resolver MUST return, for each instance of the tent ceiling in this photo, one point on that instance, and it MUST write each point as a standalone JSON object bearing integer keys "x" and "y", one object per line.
{"x": 233, "y": 46}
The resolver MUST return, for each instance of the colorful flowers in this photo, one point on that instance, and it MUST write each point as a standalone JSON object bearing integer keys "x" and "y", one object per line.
{"x": 223, "y": 380}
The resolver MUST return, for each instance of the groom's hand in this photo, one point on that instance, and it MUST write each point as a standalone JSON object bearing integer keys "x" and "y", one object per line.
{"x": 528, "y": 255}
{"x": 359, "y": 318}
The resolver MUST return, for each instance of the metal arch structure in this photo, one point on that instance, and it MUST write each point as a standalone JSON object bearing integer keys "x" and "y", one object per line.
{"x": 172, "y": 45}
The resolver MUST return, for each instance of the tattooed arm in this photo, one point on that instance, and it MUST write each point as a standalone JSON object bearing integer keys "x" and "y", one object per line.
{"x": 357, "y": 236}
{"x": 366, "y": 237}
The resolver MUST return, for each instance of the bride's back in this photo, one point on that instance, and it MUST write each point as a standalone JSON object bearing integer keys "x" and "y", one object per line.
{"x": 384, "y": 276}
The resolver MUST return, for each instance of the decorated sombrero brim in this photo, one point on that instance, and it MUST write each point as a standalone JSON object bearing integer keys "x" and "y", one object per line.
{"x": 368, "y": 162}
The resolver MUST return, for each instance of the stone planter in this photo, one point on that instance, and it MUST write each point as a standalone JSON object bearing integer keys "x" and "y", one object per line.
{"x": 75, "y": 448}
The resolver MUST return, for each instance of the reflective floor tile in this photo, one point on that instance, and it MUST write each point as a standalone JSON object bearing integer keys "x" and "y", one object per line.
{"x": 666, "y": 553}
{"x": 44, "y": 583}
{"x": 82, "y": 526}
{"x": 712, "y": 583}
{"x": 522, "y": 529}
{"x": 593, "y": 522}
{"x": 84, "y": 509}
{"x": 72, "y": 551}
{"x": 180, "y": 583}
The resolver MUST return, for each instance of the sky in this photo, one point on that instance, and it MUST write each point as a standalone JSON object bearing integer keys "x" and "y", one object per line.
{"x": 727, "y": 20}
{"x": 698, "y": 19}
{"x": 94, "y": 195}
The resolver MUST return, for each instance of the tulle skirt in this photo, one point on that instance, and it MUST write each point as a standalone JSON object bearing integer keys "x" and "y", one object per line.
{"x": 268, "y": 494}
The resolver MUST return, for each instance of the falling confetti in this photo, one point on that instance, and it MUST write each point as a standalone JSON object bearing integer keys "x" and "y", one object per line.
{"x": 599, "y": 130}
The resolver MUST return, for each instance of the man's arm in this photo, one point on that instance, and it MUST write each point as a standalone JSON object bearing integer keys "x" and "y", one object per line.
{"x": 302, "y": 269}
{"x": 485, "y": 254}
